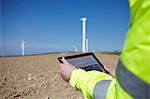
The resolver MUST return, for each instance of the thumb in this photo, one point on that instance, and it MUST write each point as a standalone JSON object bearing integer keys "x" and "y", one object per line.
{"x": 65, "y": 61}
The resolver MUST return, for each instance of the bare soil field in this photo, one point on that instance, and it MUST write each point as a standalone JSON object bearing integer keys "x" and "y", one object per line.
{"x": 37, "y": 77}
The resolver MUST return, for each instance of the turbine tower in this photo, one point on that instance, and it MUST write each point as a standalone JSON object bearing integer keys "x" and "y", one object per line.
{"x": 75, "y": 49}
{"x": 87, "y": 45}
{"x": 22, "y": 47}
{"x": 83, "y": 19}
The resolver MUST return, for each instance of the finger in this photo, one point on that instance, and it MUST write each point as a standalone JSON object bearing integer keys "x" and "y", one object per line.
{"x": 60, "y": 65}
{"x": 64, "y": 61}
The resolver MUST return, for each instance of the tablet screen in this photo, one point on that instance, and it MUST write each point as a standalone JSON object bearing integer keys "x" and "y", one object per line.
{"x": 86, "y": 61}
{"x": 83, "y": 61}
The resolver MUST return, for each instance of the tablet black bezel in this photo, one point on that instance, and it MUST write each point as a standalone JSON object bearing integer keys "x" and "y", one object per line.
{"x": 82, "y": 55}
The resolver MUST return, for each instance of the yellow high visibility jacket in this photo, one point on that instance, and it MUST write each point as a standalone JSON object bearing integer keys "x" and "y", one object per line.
{"x": 133, "y": 70}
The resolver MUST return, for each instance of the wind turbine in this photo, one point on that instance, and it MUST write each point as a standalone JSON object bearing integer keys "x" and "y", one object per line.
{"x": 22, "y": 47}
{"x": 75, "y": 48}
{"x": 84, "y": 40}
{"x": 87, "y": 45}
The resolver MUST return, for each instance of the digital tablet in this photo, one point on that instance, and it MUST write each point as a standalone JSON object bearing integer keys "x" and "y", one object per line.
{"x": 86, "y": 61}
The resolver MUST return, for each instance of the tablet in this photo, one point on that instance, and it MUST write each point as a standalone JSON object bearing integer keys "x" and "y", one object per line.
{"x": 86, "y": 61}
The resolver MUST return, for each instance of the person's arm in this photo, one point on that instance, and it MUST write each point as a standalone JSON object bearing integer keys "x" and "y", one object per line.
{"x": 86, "y": 81}
{"x": 92, "y": 83}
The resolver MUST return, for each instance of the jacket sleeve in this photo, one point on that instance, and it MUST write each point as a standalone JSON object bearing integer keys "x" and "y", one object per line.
{"x": 86, "y": 81}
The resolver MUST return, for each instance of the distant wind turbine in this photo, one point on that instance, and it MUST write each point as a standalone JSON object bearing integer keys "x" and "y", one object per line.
{"x": 87, "y": 45}
{"x": 75, "y": 48}
{"x": 22, "y": 47}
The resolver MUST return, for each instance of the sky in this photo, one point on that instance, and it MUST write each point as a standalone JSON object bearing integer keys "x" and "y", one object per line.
{"x": 54, "y": 25}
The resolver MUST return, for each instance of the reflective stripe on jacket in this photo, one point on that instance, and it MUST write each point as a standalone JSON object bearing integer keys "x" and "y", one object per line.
{"x": 133, "y": 70}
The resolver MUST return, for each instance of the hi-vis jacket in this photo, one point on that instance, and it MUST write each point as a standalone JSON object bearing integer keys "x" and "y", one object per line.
{"x": 133, "y": 69}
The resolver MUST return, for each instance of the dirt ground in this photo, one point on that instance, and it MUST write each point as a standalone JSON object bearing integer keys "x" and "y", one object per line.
{"x": 36, "y": 77}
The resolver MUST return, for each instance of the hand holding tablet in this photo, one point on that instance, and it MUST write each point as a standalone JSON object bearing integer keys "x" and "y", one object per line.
{"x": 86, "y": 61}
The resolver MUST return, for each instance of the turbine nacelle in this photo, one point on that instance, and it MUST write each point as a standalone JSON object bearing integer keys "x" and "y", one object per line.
{"x": 83, "y": 19}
